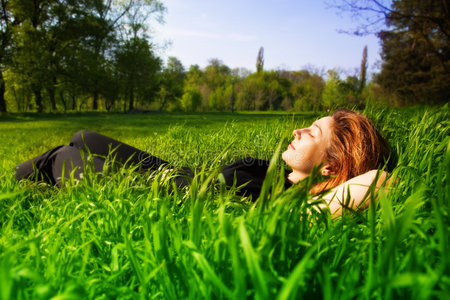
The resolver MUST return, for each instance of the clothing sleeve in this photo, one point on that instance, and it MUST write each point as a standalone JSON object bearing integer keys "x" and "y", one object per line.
{"x": 247, "y": 170}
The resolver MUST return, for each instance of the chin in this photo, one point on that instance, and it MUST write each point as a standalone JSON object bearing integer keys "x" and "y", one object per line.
{"x": 284, "y": 156}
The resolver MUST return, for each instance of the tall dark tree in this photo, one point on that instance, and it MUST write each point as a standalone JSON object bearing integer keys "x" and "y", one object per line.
{"x": 416, "y": 52}
{"x": 363, "y": 71}
{"x": 115, "y": 21}
{"x": 138, "y": 67}
{"x": 104, "y": 17}
{"x": 260, "y": 60}
{"x": 30, "y": 36}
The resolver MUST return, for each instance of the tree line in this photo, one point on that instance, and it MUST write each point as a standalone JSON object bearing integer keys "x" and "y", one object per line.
{"x": 61, "y": 55}
{"x": 76, "y": 54}
{"x": 220, "y": 88}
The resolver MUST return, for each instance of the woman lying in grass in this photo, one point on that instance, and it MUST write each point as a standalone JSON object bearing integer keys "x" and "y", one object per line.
{"x": 346, "y": 145}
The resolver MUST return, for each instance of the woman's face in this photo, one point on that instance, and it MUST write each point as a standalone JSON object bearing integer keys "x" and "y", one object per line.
{"x": 308, "y": 147}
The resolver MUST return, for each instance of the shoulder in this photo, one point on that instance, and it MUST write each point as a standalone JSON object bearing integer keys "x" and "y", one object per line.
{"x": 368, "y": 178}
{"x": 353, "y": 194}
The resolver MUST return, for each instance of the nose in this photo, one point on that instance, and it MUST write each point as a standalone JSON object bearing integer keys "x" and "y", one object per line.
{"x": 297, "y": 133}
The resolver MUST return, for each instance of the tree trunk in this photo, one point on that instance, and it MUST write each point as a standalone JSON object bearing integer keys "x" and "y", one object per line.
{"x": 232, "y": 97}
{"x": 51, "y": 94}
{"x": 18, "y": 102}
{"x": 74, "y": 102}
{"x": 2, "y": 93}
{"x": 130, "y": 107}
{"x": 38, "y": 99}
{"x": 63, "y": 100}
{"x": 95, "y": 102}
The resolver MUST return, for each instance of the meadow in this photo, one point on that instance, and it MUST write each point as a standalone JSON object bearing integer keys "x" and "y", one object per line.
{"x": 132, "y": 236}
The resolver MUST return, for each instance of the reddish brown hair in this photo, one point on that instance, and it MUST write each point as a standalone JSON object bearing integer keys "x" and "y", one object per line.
{"x": 356, "y": 147}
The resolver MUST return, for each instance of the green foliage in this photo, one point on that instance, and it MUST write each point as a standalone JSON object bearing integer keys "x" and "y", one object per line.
{"x": 137, "y": 67}
{"x": 264, "y": 91}
{"x": 129, "y": 235}
{"x": 96, "y": 55}
{"x": 416, "y": 52}
{"x": 251, "y": 91}
{"x": 192, "y": 99}
{"x": 307, "y": 90}
{"x": 76, "y": 54}
{"x": 415, "y": 39}
{"x": 172, "y": 80}
{"x": 333, "y": 94}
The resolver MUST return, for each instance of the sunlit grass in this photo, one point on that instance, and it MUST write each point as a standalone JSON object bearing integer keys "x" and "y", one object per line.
{"x": 128, "y": 235}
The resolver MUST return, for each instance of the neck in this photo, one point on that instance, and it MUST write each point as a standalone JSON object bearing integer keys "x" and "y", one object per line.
{"x": 296, "y": 176}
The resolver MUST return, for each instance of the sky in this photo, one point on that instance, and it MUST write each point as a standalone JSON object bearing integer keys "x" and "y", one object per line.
{"x": 295, "y": 34}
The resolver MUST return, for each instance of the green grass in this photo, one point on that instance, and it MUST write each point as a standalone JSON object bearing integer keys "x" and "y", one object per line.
{"x": 128, "y": 236}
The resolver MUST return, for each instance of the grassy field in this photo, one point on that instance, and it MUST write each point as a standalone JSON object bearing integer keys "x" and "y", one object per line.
{"x": 128, "y": 236}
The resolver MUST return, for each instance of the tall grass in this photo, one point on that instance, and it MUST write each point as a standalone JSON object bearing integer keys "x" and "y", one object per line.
{"x": 128, "y": 235}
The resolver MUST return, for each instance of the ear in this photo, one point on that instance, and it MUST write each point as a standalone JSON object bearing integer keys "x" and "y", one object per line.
{"x": 328, "y": 170}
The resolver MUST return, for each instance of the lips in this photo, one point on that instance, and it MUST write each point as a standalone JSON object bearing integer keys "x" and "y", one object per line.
{"x": 291, "y": 147}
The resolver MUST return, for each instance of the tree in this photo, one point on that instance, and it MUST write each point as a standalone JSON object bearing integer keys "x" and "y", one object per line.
{"x": 363, "y": 71}
{"x": 277, "y": 89}
{"x": 260, "y": 60}
{"x": 5, "y": 44}
{"x": 31, "y": 56}
{"x": 251, "y": 94}
{"x": 233, "y": 94}
{"x": 192, "y": 99}
{"x": 68, "y": 48}
{"x": 193, "y": 90}
{"x": 415, "y": 36}
{"x": 306, "y": 89}
{"x": 217, "y": 85}
{"x": 172, "y": 81}
{"x": 219, "y": 97}
{"x": 370, "y": 15}
{"x": 416, "y": 53}
{"x": 104, "y": 21}
{"x": 333, "y": 94}
{"x": 264, "y": 91}
{"x": 137, "y": 67}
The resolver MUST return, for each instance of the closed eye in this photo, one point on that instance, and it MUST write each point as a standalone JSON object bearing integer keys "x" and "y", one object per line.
{"x": 318, "y": 127}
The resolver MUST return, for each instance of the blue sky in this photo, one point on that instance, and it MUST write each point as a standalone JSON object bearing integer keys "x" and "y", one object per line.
{"x": 294, "y": 33}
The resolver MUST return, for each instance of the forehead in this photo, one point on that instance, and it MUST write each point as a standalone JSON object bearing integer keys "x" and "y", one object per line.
{"x": 324, "y": 123}
{"x": 325, "y": 128}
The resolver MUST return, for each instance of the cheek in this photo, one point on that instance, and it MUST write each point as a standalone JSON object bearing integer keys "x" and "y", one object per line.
{"x": 320, "y": 150}
{"x": 298, "y": 159}
{"x": 319, "y": 156}
{"x": 320, "y": 153}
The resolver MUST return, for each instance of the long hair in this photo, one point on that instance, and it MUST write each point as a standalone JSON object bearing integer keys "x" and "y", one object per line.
{"x": 356, "y": 147}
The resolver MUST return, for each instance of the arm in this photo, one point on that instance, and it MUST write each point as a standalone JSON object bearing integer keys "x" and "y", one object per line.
{"x": 352, "y": 193}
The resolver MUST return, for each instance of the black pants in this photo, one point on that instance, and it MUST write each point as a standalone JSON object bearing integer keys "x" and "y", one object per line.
{"x": 49, "y": 166}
